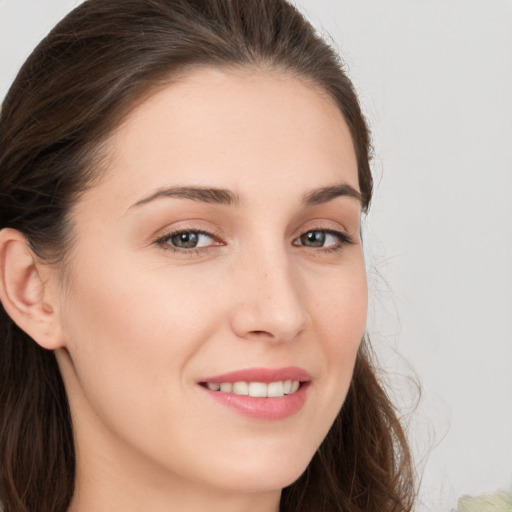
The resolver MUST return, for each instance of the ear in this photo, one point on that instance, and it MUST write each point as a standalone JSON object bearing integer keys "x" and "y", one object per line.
{"x": 23, "y": 291}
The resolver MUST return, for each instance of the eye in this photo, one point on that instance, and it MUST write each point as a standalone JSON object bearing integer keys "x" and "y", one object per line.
{"x": 323, "y": 238}
{"x": 186, "y": 239}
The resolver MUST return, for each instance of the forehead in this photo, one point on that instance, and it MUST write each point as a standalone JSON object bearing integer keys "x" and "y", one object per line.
{"x": 233, "y": 129}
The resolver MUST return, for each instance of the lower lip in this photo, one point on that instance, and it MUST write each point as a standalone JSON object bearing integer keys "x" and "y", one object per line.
{"x": 269, "y": 409}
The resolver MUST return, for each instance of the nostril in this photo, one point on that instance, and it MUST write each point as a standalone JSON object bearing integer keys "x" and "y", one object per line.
{"x": 262, "y": 333}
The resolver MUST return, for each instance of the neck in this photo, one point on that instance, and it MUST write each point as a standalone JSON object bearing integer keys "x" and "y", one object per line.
{"x": 107, "y": 499}
{"x": 111, "y": 476}
{"x": 104, "y": 486}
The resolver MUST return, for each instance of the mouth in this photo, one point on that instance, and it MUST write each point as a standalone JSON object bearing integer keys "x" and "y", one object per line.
{"x": 260, "y": 393}
{"x": 256, "y": 389}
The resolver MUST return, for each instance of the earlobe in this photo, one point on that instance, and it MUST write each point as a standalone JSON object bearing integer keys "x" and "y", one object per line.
{"x": 23, "y": 293}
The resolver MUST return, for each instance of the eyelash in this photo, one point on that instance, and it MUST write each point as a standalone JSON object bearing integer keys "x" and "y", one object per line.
{"x": 344, "y": 239}
{"x": 163, "y": 241}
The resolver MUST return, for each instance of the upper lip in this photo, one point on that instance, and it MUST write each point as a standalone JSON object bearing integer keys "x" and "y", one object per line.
{"x": 265, "y": 375}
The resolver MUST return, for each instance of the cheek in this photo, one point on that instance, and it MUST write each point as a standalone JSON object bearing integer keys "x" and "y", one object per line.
{"x": 338, "y": 311}
{"x": 130, "y": 307}
{"x": 130, "y": 335}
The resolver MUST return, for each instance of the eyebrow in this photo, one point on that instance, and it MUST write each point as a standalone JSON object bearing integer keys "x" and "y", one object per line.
{"x": 326, "y": 194}
{"x": 223, "y": 196}
{"x": 201, "y": 194}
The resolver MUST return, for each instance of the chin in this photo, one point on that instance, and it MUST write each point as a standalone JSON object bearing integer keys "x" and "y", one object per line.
{"x": 260, "y": 476}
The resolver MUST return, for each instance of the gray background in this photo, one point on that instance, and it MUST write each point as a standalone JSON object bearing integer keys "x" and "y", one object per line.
{"x": 435, "y": 80}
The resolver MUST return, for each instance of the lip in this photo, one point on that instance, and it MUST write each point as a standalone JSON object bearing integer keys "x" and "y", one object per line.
{"x": 265, "y": 375}
{"x": 267, "y": 409}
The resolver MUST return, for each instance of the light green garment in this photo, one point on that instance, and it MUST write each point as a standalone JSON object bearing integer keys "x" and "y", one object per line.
{"x": 497, "y": 502}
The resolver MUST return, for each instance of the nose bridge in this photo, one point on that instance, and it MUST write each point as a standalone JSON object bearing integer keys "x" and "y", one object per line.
{"x": 270, "y": 301}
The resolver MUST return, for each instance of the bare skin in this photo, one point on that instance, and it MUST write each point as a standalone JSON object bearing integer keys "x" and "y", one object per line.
{"x": 168, "y": 286}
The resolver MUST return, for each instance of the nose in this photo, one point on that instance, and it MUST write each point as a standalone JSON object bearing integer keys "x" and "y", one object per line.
{"x": 268, "y": 301}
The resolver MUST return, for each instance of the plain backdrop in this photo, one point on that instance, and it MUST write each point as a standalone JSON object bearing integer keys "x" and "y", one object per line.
{"x": 435, "y": 81}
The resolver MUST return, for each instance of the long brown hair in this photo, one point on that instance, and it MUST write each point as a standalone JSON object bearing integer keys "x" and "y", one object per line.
{"x": 74, "y": 89}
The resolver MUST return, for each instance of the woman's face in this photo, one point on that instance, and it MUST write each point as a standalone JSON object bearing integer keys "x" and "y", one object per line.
{"x": 222, "y": 246}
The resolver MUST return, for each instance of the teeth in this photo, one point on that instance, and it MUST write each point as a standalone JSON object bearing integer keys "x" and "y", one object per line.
{"x": 275, "y": 389}
{"x": 241, "y": 388}
{"x": 257, "y": 389}
{"x": 226, "y": 387}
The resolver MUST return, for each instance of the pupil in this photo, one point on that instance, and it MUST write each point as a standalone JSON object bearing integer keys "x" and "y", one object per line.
{"x": 185, "y": 240}
{"x": 314, "y": 239}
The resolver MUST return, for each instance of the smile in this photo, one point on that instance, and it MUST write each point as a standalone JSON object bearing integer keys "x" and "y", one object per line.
{"x": 256, "y": 389}
{"x": 260, "y": 393}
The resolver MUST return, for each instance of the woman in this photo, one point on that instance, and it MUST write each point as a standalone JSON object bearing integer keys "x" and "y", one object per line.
{"x": 183, "y": 283}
